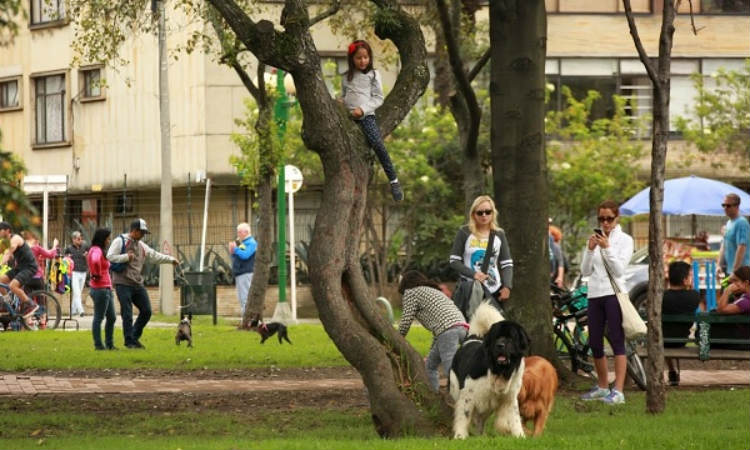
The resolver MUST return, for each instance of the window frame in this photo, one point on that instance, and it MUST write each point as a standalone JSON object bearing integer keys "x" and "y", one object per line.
{"x": 19, "y": 83}
{"x": 619, "y": 10}
{"x": 82, "y": 74}
{"x": 61, "y": 21}
{"x": 698, "y": 11}
{"x": 64, "y": 105}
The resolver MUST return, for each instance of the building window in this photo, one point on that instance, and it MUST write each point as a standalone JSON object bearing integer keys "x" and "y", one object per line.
{"x": 92, "y": 84}
{"x": 46, "y": 11}
{"x": 596, "y": 6}
{"x": 9, "y": 94}
{"x": 49, "y": 97}
{"x": 124, "y": 205}
{"x": 51, "y": 208}
{"x": 725, "y": 6}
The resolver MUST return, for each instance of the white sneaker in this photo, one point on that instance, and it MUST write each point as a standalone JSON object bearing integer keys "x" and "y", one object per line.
{"x": 596, "y": 393}
{"x": 614, "y": 398}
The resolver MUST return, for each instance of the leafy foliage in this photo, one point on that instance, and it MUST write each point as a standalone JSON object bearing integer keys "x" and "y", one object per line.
{"x": 9, "y": 10}
{"x": 719, "y": 119}
{"x": 589, "y": 161}
{"x": 427, "y": 154}
{"x": 15, "y": 208}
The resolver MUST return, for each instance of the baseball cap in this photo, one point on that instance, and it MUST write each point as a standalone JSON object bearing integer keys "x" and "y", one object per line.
{"x": 139, "y": 224}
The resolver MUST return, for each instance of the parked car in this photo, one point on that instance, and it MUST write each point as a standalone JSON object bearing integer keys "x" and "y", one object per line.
{"x": 636, "y": 274}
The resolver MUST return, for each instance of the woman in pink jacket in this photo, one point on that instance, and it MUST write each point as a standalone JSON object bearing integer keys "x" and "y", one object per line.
{"x": 101, "y": 290}
{"x": 41, "y": 255}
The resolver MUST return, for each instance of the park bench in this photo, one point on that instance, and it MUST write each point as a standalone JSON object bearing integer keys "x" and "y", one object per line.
{"x": 699, "y": 347}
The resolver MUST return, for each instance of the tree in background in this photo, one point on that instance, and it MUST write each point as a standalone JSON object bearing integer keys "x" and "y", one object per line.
{"x": 589, "y": 161}
{"x": 15, "y": 208}
{"x": 719, "y": 120}
{"x": 9, "y": 11}
{"x": 518, "y": 36}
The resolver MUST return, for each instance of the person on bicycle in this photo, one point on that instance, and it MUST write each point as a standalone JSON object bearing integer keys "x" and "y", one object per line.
{"x": 23, "y": 271}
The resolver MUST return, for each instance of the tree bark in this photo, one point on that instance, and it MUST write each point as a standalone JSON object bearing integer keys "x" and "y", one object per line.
{"x": 660, "y": 79}
{"x": 518, "y": 34}
{"x": 264, "y": 232}
{"x": 462, "y": 101}
{"x": 400, "y": 398}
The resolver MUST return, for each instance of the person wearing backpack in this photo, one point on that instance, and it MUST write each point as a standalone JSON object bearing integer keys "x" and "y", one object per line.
{"x": 128, "y": 253}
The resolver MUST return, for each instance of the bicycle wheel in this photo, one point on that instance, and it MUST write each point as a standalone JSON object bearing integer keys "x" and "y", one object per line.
{"x": 569, "y": 349}
{"x": 564, "y": 347}
{"x": 49, "y": 312}
{"x": 636, "y": 371}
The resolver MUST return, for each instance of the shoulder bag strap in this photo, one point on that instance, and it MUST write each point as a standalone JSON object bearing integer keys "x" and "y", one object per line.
{"x": 609, "y": 273}
{"x": 488, "y": 251}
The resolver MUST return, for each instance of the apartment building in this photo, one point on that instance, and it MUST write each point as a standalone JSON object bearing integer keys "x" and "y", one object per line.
{"x": 105, "y": 137}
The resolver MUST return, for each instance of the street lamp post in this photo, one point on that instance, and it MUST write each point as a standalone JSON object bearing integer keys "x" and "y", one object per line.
{"x": 281, "y": 115}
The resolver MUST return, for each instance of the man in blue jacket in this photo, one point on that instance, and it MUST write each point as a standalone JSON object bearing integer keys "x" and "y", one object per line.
{"x": 243, "y": 262}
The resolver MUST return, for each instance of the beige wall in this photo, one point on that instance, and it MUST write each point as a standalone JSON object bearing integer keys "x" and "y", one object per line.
{"x": 120, "y": 135}
{"x": 608, "y": 35}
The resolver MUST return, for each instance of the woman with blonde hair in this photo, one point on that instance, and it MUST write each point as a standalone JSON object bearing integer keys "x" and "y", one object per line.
{"x": 469, "y": 253}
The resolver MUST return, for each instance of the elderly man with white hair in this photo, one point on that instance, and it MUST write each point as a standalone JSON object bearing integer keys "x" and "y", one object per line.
{"x": 243, "y": 262}
{"x": 78, "y": 251}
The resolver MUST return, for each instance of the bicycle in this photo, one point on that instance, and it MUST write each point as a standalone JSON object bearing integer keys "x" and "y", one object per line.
{"x": 46, "y": 317}
{"x": 570, "y": 310}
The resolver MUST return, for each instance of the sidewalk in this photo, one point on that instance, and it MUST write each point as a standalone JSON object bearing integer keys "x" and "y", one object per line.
{"x": 11, "y": 384}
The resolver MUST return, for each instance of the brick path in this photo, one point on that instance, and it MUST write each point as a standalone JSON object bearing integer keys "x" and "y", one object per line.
{"x": 11, "y": 384}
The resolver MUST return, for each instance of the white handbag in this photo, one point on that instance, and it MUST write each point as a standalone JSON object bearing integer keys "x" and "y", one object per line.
{"x": 632, "y": 324}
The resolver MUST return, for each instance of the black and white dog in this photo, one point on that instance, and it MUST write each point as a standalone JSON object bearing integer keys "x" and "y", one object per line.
{"x": 185, "y": 330}
{"x": 487, "y": 374}
{"x": 266, "y": 330}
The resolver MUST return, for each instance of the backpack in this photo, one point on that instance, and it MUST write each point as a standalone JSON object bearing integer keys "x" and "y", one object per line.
{"x": 120, "y": 266}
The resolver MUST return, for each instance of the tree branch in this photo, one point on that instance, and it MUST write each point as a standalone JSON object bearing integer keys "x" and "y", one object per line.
{"x": 479, "y": 65}
{"x": 260, "y": 38}
{"x": 229, "y": 54}
{"x": 392, "y": 22}
{"x": 692, "y": 18}
{"x": 335, "y": 6}
{"x": 462, "y": 81}
{"x": 639, "y": 45}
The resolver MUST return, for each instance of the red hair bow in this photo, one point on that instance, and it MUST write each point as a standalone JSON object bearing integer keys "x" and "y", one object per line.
{"x": 353, "y": 47}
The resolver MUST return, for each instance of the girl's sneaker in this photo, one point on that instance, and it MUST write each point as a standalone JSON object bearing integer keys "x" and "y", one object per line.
{"x": 596, "y": 393}
{"x": 615, "y": 397}
{"x": 396, "y": 191}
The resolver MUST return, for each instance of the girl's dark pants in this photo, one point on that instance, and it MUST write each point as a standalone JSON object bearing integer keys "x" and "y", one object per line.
{"x": 372, "y": 133}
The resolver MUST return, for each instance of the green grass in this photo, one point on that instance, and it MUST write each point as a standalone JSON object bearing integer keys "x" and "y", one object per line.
{"x": 215, "y": 347}
{"x": 693, "y": 420}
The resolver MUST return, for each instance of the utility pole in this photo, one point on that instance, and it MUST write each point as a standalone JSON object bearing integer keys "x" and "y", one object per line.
{"x": 166, "y": 271}
{"x": 281, "y": 114}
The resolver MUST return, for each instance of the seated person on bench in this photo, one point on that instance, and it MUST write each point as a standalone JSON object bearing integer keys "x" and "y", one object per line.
{"x": 735, "y": 300}
{"x": 680, "y": 298}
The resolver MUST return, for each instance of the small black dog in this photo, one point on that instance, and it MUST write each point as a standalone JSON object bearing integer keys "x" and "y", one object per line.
{"x": 185, "y": 331}
{"x": 266, "y": 330}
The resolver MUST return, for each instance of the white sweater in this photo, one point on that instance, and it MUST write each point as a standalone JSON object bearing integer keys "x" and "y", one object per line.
{"x": 618, "y": 256}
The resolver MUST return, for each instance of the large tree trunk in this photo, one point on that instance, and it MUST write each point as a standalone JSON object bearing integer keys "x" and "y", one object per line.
{"x": 660, "y": 79}
{"x": 264, "y": 232}
{"x": 401, "y": 400}
{"x": 518, "y": 33}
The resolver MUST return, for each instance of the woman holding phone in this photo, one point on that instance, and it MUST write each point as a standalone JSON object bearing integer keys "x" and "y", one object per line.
{"x": 609, "y": 247}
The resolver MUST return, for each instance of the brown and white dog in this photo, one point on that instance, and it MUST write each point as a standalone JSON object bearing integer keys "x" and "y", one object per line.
{"x": 537, "y": 393}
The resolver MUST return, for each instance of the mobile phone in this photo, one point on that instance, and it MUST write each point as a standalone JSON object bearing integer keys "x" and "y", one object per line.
{"x": 599, "y": 231}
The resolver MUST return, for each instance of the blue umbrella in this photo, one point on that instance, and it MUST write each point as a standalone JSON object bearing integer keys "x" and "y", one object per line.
{"x": 689, "y": 195}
